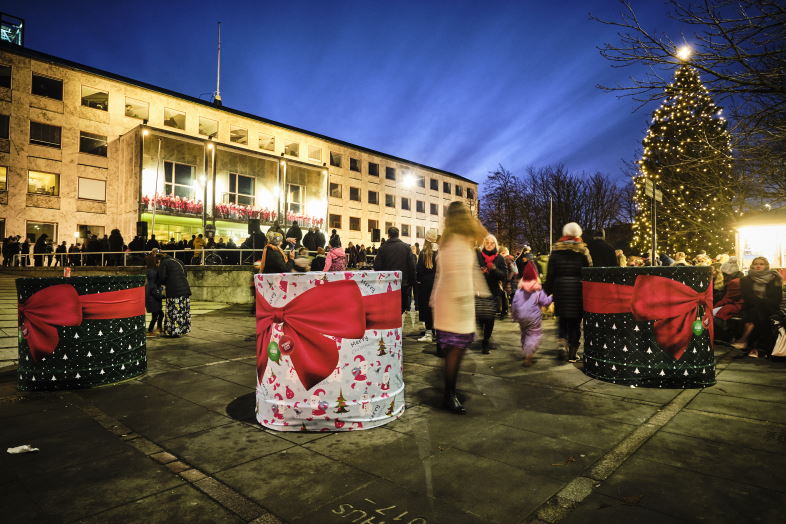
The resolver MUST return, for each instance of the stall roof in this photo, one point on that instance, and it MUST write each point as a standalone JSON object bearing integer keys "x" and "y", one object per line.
{"x": 774, "y": 217}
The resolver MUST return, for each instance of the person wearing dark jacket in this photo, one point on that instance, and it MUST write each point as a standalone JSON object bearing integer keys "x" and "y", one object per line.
{"x": 154, "y": 294}
{"x": 310, "y": 240}
{"x": 115, "y": 246}
{"x": 762, "y": 293}
{"x": 152, "y": 243}
{"x": 495, "y": 270}
{"x": 39, "y": 250}
{"x": 294, "y": 233}
{"x": 318, "y": 264}
{"x": 395, "y": 255}
{"x": 563, "y": 281}
{"x": 425, "y": 272}
{"x": 60, "y": 252}
{"x": 274, "y": 260}
{"x": 172, "y": 275}
{"x": 600, "y": 251}
{"x": 319, "y": 238}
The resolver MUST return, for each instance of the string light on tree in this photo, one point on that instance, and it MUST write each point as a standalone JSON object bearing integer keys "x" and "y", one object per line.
{"x": 687, "y": 153}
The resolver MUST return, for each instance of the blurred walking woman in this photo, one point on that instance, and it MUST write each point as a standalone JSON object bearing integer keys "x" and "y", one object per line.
{"x": 457, "y": 282}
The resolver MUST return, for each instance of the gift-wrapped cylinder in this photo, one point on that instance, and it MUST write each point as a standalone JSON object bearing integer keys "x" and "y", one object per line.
{"x": 80, "y": 332}
{"x": 649, "y": 326}
{"x": 329, "y": 350}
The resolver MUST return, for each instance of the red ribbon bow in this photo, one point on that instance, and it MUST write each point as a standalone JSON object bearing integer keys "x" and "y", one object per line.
{"x": 335, "y": 308}
{"x": 672, "y": 306}
{"x": 61, "y": 305}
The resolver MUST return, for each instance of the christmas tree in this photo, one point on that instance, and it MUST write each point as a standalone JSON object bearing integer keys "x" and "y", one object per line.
{"x": 687, "y": 154}
{"x": 341, "y": 403}
{"x": 381, "y": 351}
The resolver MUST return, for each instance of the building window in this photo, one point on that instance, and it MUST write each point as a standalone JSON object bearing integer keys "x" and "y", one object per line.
{"x": 92, "y": 144}
{"x": 3, "y": 178}
{"x": 241, "y": 190}
{"x": 43, "y": 183}
{"x": 459, "y": 192}
{"x": 354, "y": 223}
{"x": 373, "y": 197}
{"x": 404, "y": 230}
{"x": 267, "y": 142}
{"x": 390, "y": 201}
{"x": 420, "y": 206}
{"x": 372, "y": 225}
{"x": 48, "y": 87}
{"x": 292, "y": 149}
{"x": 295, "y": 194}
{"x": 335, "y": 190}
{"x": 354, "y": 164}
{"x": 420, "y": 180}
{"x": 315, "y": 153}
{"x": 5, "y": 123}
{"x": 335, "y": 159}
{"x": 373, "y": 169}
{"x": 44, "y": 135}
{"x": 178, "y": 180}
{"x": 5, "y": 76}
{"x": 354, "y": 193}
{"x": 420, "y": 231}
{"x": 390, "y": 173}
{"x": 86, "y": 231}
{"x": 434, "y": 184}
{"x": 405, "y": 204}
{"x": 470, "y": 193}
{"x": 208, "y": 127}
{"x": 90, "y": 189}
{"x": 238, "y": 135}
{"x": 137, "y": 109}
{"x": 173, "y": 118}
{"x": 434, "y": 209}
{"x": 388, "y": 225}
{"x": 95, "y": 98}
{"x": 36, "y": 229}
{"x": 335, "y": 221}
{"x": 446, "y": 187}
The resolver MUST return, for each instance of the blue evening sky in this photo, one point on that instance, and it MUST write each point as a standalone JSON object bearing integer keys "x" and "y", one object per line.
{"x": 458, "y": 85}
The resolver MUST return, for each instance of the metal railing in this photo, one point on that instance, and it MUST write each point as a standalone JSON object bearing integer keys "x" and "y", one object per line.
{"x": 190, "y": 257}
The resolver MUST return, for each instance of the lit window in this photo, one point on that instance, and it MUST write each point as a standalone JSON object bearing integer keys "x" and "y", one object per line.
{"x": 292, "y": 149}
{"x": 173, "y": 118}
{"x": 241, "y": 190}
{"x": 238, "y": 135}
{"x": 40, "y": 183}
{"x": 208, "y": 127}
{"x": 267, "y": 142}
{"x": 3, "y": 178}
{"x": 137, "y": 109}
{"x": 92, "y": 144}
{"x": 48, "y": 87}
{"x": 44, "y": 135}
{"x": 178, "y": 180}
{"x": 295, "y": 194}
{"x": 95, "y": 98}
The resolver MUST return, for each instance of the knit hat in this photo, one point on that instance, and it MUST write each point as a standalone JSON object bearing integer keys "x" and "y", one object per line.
{"x": 530, "y": 273}
{"x": 571, "y": 229}
{"x": 431, "y": 235}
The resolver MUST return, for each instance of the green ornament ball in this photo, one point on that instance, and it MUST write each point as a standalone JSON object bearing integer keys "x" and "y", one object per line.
{"x": 273, "y": 352}
{"x": 698, "y": 327}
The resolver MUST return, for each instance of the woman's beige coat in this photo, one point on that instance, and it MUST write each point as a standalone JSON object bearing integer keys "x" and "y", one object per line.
{"x": 457, "y": 282}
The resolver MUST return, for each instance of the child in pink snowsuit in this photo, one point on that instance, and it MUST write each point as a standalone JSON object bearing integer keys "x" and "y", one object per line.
{"x": 527, "y": 301}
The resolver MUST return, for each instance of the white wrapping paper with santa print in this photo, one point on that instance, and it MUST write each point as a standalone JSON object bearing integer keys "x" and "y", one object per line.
{"x": 365, "y": 388}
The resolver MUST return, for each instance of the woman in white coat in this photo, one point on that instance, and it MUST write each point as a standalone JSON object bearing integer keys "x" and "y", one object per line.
{"x": 457, "y": 282}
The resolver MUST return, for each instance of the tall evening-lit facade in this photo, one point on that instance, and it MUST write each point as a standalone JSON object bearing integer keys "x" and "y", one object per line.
{"x": 83, "y": 149}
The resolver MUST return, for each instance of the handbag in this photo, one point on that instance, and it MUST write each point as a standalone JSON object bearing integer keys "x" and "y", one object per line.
{"x": 485, "y": 307}
{"x": 780, "y": 344}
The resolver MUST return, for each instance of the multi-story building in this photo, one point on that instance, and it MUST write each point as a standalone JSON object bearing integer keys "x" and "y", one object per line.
{"x": 87, "y": 150}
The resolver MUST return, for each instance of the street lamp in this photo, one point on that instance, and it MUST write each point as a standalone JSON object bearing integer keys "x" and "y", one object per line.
{"x": 684, "y": 52}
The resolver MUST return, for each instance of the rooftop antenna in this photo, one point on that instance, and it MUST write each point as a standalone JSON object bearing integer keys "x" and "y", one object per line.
{"x": 217, "y": 94}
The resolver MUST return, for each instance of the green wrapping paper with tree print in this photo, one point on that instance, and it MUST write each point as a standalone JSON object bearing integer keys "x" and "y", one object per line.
{"x": 649, "y": 326}
{"x": 101, "y": 339}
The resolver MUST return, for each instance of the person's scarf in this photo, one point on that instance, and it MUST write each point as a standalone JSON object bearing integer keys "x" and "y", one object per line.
{"x": 489, "y": 256}
{"x": 760, "y": 280}
{"x": 264, "y": 256}
{"x": 570, "y": 239}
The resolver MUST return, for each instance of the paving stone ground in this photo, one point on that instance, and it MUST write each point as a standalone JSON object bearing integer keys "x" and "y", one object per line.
{"x": 540, "y": 444}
